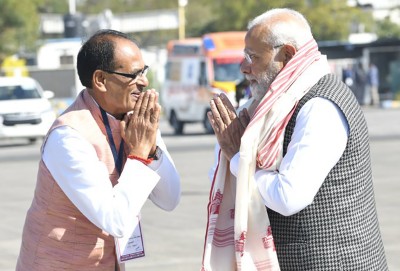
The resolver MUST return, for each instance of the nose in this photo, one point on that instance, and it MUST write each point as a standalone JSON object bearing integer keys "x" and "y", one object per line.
{"x": 142, "y": 80}
{"x": 245, "y": 66}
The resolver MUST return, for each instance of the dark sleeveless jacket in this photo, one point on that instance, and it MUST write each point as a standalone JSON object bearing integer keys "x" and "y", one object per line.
{"x": 339, "y": 230}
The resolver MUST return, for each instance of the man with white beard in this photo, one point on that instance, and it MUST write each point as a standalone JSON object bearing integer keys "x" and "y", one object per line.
{"x": 300, "y": 149}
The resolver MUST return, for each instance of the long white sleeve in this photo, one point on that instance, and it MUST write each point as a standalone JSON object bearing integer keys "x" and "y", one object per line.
{"x": 166, "y": 194}
{"x": 74, "y": 164}
{"x": 318, "y": 141}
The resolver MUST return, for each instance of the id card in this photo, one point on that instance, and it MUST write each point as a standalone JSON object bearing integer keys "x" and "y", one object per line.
{"x": 130, "y": 247}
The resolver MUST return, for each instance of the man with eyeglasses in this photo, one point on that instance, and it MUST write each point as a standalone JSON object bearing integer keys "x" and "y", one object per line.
{"x": 299, "y": 148}
{"x": 101, "y": 160}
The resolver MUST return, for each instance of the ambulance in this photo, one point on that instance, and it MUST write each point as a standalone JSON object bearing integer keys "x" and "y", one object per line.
{"x": 196, "y": 69}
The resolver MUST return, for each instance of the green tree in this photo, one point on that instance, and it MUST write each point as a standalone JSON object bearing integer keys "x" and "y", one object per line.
{"x": 330, "y": 20}
{"x": 52, "y": 6}
{"x": 19, "y": 24}
{"x": 387, "y": 29}
{"x": 335, "y": 20}
{"x": 123, "y": 6}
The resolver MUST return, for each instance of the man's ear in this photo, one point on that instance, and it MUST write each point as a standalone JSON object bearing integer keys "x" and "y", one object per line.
{"x": 99, "y": 80}
{"x": 289, "y": 51}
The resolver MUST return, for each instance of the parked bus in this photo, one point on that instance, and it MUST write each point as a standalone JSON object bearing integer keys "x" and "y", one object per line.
{"x": 196, "y": 69}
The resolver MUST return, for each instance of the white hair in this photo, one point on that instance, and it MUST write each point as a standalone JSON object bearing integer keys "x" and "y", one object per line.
{"x": 295, "y": 30}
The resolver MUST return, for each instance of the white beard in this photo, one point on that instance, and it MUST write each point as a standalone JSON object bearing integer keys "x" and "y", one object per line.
{"x": 264, "y": 80}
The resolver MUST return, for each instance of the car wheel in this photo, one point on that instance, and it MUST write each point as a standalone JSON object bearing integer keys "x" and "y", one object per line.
{"x": 176, "y": 124}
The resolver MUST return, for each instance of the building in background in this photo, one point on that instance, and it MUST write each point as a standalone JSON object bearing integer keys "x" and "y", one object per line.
{"x": 381, "y": 9}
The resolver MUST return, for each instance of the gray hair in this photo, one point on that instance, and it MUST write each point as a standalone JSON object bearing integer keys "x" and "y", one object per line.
{"x": 296, "y": 30}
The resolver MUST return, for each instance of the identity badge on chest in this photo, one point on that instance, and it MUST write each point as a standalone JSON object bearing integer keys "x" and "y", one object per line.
{"x": 130, "y": 247}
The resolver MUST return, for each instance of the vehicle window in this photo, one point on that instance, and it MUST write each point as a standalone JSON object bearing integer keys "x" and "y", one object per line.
{"x": 173, "y": 71}
{"x": 226, "y": 70}
{"x": 18, "y": 92}
{"x": 191, "y": 71}
{"x": 6, "y": 93}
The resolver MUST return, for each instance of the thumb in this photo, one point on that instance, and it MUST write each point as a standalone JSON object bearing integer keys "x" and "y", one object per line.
{"x": 123, "y": 125}
{"x": 244, "y": 117}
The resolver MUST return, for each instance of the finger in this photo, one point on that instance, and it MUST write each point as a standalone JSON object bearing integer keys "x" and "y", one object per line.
{"x": 222, "y": 111}
{"x": 212, "y": 121}
{"x": 143, "y": 106}
{"x": 138, "y": 104}
{"x": 152, "y": 90}
{"x": 155, "y": 116}
{"x": 157, "y": 95}
{"x": 244, "y": 118}
{"x": 216, "y": 114}
{"x": 150, "y": 106}
{"x": 157, "y": 106}
{"x": 123, "y": 124}
{"x": 228, "y": 106}
{"x": 246, "y": 115}
{"x": 157, "y": 111}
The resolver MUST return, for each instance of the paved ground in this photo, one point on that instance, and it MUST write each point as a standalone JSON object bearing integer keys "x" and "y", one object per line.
{"x": 173, "y": 241}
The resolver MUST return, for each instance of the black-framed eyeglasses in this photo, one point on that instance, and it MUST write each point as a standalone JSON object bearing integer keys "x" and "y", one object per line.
{"x": 249, "y": 57}
{"x": 134, "y": 75}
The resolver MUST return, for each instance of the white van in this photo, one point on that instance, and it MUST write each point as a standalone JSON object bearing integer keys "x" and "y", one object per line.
{"x": 196, "y": 69}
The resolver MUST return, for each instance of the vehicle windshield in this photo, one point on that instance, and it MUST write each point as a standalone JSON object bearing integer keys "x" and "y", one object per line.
{"x": 227, "y": 70}
{"x": 18, "y": 92}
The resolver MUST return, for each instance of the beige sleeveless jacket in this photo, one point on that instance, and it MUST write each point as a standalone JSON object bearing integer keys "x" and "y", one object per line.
{"x": 56, "y": 235}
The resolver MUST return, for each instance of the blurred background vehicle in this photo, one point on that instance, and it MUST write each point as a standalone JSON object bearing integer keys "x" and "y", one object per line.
{"x": 25, "y": 109}
{"x": 196, "y": 69}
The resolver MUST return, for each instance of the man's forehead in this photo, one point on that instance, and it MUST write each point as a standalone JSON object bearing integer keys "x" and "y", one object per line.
{"x": 128, "y": 55}
{"x": 255, "y": 39}
{"x": 126, "y": 48}
{"x": 259, "y": 31}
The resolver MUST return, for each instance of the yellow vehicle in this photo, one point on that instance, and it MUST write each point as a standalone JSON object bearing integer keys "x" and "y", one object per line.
{"x": 196, "y": 69}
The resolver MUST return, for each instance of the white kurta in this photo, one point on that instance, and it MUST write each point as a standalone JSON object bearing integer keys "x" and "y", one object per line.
{"x": 85, "y": 180}
{"x": 318, "y": 141}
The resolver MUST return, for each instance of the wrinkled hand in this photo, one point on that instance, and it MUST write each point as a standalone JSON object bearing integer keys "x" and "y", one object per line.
{"x": 139, "y": 129}
{"x": 228, "y": 127}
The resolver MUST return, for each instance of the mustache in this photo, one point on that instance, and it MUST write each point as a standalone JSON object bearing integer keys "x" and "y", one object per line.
{"x": 250, "y": 77}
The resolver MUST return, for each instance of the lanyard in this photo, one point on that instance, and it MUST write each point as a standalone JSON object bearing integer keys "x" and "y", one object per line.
{"x": 117, "y": 157}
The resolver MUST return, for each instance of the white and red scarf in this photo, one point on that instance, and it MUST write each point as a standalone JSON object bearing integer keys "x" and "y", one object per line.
{"x": 239, "y": 235}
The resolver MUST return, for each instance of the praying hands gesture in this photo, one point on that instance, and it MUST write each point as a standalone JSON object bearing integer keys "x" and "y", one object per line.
{"x": 228, "y": 126}
{"x": 139, "y": 129}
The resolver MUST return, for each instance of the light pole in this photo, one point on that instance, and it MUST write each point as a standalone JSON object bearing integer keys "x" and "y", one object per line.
{"x": 72, "y": 6}
{"x": 182, "y": 20}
